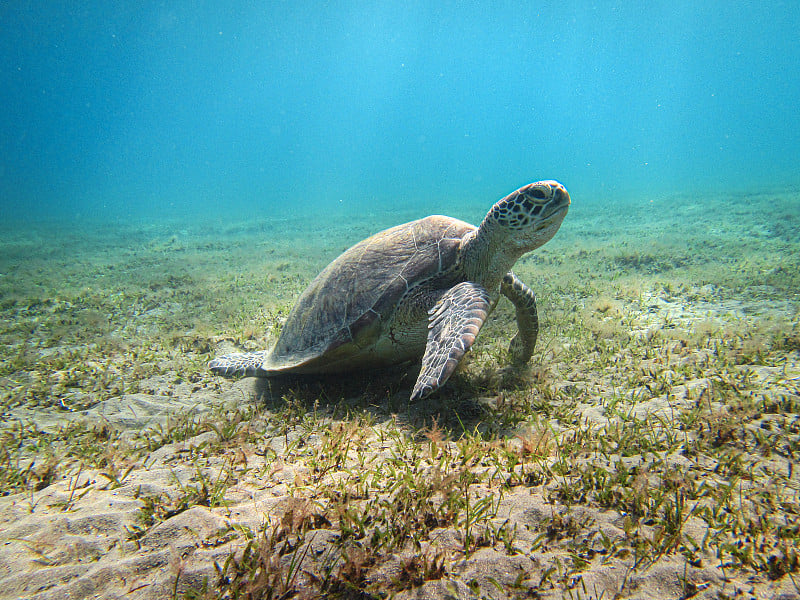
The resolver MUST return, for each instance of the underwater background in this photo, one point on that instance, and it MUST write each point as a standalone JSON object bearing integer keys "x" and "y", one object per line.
{"x": 174, "y": 174}
{"x": 197, "y": 110}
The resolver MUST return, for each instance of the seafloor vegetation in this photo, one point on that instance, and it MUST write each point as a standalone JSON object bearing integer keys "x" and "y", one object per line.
{"x": 648, "y": 451}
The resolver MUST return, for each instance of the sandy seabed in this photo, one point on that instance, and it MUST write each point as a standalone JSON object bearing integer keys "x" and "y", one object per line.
{"x": 648, "y": 450}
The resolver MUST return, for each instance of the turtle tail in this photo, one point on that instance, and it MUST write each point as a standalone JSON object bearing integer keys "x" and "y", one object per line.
{"x": 248, "y": 364}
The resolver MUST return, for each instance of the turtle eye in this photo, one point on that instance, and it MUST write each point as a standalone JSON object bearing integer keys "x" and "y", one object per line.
{"x": 538, "y": 193}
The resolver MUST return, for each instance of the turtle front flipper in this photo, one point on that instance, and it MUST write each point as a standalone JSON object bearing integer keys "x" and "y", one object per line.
{"x": 453, "y": 324}
{"x": 524, "y": 300}
{"x": 240, "y": 364}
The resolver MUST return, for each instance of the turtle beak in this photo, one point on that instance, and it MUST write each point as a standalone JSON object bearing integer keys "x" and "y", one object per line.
{"x": 560, "y": 201}
{"x": 562, "y": 195}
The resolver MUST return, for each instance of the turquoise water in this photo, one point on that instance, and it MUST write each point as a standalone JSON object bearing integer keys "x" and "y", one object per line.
{"x": 116, "y": 110}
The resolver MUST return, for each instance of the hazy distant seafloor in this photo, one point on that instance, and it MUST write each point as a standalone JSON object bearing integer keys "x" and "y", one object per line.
{"x": 648, "y": 451}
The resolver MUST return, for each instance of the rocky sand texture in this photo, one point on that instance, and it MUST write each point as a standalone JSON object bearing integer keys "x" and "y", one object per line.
{"x": 648, "y": 451}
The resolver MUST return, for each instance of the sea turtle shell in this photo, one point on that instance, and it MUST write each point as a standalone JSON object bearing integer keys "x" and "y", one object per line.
{"x": 343, "y": 318}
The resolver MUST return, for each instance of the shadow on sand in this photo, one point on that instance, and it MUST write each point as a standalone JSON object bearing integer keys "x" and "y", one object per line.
{"x": 459, "y": 407}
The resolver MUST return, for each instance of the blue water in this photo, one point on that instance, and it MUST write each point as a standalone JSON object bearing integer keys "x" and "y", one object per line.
{"x": 149, "y": 109}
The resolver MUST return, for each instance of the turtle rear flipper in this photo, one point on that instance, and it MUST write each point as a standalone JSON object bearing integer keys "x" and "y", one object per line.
{"x": 248, "y": 364}
{"x": 453, "y": 325}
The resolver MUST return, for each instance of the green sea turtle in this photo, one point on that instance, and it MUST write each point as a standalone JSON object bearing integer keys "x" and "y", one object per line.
{"x": 423, "y": 289}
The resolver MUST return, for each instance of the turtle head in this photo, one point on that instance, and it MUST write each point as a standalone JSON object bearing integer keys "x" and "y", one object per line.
{"x": 528, "y": 217}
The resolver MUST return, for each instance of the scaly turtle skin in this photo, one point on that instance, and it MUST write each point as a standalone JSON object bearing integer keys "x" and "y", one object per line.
{"x": 423, "y": 289}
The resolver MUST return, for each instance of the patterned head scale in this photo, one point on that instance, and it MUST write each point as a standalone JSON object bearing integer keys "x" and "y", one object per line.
{"x": 531, "y": 215}
{"x": 530, "y": 205}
